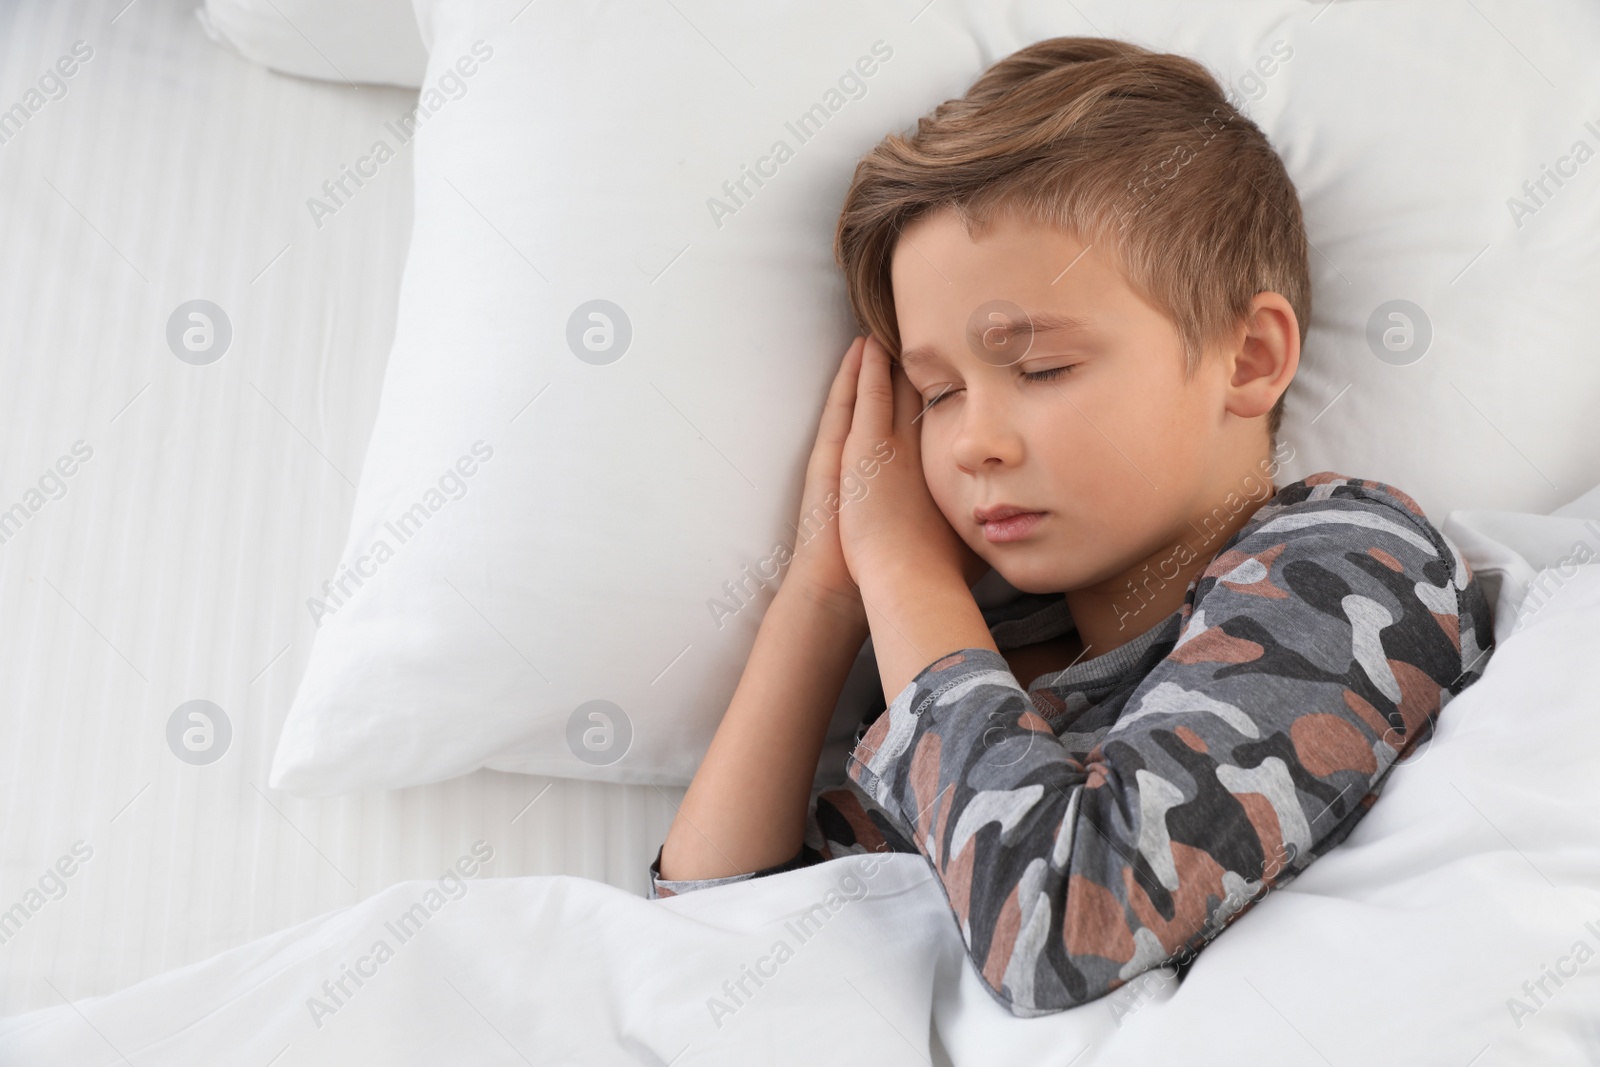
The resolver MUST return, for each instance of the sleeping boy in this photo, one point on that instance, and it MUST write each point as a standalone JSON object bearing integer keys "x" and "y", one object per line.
{"x": 1083, "y": 288}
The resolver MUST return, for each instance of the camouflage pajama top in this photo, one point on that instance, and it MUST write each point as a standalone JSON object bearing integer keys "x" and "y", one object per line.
{"x": 1116, "y": 815}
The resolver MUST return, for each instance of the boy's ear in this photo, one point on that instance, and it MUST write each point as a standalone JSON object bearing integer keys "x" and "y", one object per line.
{"x": 1265, "y": 358}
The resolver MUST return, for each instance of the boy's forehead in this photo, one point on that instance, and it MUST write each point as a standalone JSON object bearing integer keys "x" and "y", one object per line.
{"x": 1004, "y": 233}
{"x": 1012, "y": 281}
{"x": 999, "y": 326}
{"x": 936, "y": 264}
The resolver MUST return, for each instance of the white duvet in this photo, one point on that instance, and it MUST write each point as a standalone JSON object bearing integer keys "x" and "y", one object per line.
{"x": 1458, "y": 924}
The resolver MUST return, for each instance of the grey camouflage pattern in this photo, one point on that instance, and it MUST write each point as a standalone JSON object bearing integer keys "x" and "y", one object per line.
{"x": 1101, "y": 825}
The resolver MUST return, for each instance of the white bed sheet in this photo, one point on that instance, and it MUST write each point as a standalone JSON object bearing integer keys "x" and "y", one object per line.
{"x": 178, "y": 563}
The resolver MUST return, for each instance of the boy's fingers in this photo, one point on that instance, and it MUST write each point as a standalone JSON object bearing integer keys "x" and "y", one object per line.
{"x": 844, "y": 379}
{"x": 874, "y": 415}
{"x": 907, "y": 404}
{"x": 834, "y": 425}
{"x": 840, "y": 405}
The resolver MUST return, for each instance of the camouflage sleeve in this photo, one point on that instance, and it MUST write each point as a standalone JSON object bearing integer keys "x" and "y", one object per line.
{"x": 1316, "y": 651}
{"x": 670, "y": 887}
{"x": 839, "y": 822}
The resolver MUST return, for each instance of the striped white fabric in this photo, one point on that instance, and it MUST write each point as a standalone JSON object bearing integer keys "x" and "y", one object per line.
{"x": 175, "y": 562}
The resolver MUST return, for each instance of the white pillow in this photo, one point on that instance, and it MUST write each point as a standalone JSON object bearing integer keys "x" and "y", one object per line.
{"x": 600, "y": 509}
{"x": 374, "y": 41}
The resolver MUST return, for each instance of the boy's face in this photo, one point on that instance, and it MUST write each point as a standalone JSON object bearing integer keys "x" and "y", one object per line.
{"x": 1119, "y": 452}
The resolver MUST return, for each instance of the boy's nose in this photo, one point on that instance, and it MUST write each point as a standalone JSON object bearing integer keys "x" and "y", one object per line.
{"x": 987, "y": 435}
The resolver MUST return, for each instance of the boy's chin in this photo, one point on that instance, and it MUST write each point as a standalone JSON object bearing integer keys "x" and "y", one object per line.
{"x": 1024, "y": 581}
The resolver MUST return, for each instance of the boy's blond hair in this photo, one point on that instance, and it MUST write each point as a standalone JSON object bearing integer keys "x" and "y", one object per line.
{"x": 1133, "y": 151}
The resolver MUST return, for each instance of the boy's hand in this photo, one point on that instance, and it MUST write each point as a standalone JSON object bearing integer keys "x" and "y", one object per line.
{"x": 818, "y": 569}
{"x": 895, "y": 527}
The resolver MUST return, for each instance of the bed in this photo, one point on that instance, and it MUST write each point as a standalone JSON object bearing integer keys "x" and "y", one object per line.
{"x": 203, "y": 319}
{"x": 177, "y": 564}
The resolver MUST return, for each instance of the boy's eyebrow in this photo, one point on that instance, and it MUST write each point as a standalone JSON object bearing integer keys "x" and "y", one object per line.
{"x": 1041, "y": 323}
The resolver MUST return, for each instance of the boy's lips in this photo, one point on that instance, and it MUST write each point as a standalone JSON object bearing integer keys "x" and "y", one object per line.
{"x": 1007, "y": 522}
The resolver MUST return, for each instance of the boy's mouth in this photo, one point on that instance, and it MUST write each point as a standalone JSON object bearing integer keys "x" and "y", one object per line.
{"x": 1007, "y": 522}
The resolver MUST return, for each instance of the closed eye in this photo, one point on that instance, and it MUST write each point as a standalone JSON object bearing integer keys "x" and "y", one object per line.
{"x": 1033, "y": 376}
{"x": 936, "y": 399}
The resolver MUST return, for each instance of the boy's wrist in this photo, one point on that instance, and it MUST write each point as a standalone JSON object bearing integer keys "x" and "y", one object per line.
{"x": 910, "y": 577}
{"x": 841, "y": 604}
{"x": 920, "y": 610}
